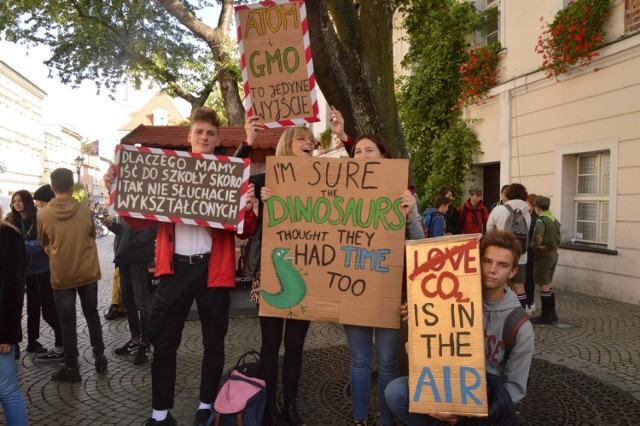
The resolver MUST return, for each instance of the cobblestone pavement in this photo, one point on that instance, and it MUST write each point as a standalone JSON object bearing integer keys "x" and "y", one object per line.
{"x": 596, "y": 337}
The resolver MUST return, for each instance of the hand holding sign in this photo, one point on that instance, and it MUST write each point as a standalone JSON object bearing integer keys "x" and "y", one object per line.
{"x": 177, "y": 186}
{"x": 446, "y": 346}
{"x": 277, "y": 68}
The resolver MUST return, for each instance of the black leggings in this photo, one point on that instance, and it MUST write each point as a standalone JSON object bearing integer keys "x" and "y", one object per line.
{"x": 295, "y": 332}
{"x": 40, "y": 296}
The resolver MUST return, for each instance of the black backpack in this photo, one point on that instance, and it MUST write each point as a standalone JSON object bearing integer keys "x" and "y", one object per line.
{"x": 517, "y": 224}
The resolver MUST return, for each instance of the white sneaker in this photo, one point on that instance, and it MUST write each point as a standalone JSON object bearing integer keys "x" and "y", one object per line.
{"x": 529, "y": 310}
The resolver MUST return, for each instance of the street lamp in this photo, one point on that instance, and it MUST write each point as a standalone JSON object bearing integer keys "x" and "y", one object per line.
{"x": 79, "y": 160}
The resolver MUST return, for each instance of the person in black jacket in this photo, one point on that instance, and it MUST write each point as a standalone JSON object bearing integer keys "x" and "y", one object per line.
{"x": 134, "y": 251}
{"x": 12, "y": 279}
{"x": 452, "y": 217}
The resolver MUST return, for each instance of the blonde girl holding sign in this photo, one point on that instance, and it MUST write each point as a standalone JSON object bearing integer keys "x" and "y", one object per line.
{"x": 297, "y": 141}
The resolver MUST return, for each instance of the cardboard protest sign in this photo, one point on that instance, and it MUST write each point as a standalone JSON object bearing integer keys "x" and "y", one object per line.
{"x": 446, "y": 338}
{"x": 277, "y": 67}
{"x": 332, "y": 240}
{"x": 177, "y": 186}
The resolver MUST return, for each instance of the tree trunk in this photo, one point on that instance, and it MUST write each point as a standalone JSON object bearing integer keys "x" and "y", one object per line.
{"x": 353, "y": 63}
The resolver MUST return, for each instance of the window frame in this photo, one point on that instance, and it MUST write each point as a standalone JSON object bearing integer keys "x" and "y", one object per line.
{"x": 483, "y": 39}
{"x": 599, "y": 197}
{"x": 566, "y": 188}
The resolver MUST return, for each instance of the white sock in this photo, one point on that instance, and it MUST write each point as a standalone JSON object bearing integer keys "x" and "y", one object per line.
{"x": 58, "y": 350}
{"x": 159, "y": 415}
{"x": 204, "y": 406}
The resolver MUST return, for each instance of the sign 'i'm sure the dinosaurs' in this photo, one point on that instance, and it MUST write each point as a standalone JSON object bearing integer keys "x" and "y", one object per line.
{"x": 333, "y": 240}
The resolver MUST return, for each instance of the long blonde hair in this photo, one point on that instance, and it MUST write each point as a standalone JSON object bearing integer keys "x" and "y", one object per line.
{"x": 284, "y": 144}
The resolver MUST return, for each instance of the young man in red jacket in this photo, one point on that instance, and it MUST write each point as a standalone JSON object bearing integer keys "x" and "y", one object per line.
{"x": 191, "y": 262}
{"x": 473, "y": 213}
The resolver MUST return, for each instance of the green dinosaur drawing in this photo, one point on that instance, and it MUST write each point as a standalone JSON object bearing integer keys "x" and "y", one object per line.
{"x": 293, "y": 289}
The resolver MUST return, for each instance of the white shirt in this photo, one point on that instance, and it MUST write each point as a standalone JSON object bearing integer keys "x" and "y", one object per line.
{"x": 192, "y": 239}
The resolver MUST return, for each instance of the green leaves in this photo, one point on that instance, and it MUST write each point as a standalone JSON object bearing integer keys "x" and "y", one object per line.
{"x": 108, "y": 41}
{"x": 441, "y": 145}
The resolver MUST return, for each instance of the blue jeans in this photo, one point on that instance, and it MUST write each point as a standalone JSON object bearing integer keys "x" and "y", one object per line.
{"x": 66, "y": 306}
{"x": 15, "y": 409}
{"x": 361, "y": 348}
{"x": 397, "y": 396}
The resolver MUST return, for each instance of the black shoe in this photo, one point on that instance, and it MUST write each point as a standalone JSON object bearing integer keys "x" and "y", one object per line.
{"x": 128, "y": 348}
{"x": 36, "y": 347}
{"x": 202, "y": 416}
{"x": 291, "y": 417}
{"x": 113, "y": 313}
{"x": 544, "y": 319}
{"x": 101, "y": 364}
{"x": 169, "y": 421}
{"x": 67, "y": 375}
{"x": 143, "y": 355}
{"x": 50, "y": 356}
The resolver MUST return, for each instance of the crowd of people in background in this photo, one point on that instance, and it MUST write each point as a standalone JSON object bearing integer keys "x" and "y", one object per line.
{"x": 56, "y": 261}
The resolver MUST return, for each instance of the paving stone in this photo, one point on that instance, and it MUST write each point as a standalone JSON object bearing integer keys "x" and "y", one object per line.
{"x": 601, "y": 352}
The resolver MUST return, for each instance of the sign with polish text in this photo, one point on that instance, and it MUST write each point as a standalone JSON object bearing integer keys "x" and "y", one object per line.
{"x": 277, "y": 67}
{"x": 180, "y": 187}
{"x": 446, "y": 337}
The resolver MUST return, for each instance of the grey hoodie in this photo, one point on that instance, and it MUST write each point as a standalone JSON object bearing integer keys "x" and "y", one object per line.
{"x": 515, "y": 371}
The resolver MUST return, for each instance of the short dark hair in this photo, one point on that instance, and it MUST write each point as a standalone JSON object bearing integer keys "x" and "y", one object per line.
{"x": 503, "y": 188}
{"x": 62, "y": 180}
{"x": 205, "y": 114}
{"x": 381, "y": 143}
{"x": 441, "y": 200}
{"x": 516, "y": 191}
{"x": 444, "y": 189}
{"x": 503, "y": 239}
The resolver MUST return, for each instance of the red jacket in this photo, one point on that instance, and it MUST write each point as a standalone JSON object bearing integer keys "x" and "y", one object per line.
{"x": 222, "y": 262}
{"x": 473, "y": 222}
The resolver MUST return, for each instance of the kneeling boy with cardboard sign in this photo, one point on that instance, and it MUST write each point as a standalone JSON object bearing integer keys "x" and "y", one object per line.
{"x": 446, "y": 383}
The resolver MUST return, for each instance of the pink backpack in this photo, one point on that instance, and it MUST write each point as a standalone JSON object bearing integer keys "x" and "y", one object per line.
{"x": 241, "y": 401}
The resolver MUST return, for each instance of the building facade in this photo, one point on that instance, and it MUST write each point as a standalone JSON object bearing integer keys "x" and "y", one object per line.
{"x": 574, "y": 139}
{"x": 21, "y": 141}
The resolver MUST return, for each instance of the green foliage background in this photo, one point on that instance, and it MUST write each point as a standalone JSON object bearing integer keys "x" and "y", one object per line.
{"x": 441, "y": 145}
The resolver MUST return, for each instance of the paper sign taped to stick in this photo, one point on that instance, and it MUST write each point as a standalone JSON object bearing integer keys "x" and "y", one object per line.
{"x": 446, "y": 341}
{"x": 333, "y": 240}
{"x": 181, "y": 187}
{"x": 277, "y": 67}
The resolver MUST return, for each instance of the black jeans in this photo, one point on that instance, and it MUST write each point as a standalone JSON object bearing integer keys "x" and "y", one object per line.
{"x": 66, "y": 306}
{"x": 295, "y": 332}
{"x": 134, "y": 278}
{"x": 40, "y": 295}
{"x": 171, "y": 303}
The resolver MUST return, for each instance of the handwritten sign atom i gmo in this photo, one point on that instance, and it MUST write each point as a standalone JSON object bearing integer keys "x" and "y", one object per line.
{"x": 446, "y": 342}
{"x": 177, "y": 186}
{"x": 277, "y": 68}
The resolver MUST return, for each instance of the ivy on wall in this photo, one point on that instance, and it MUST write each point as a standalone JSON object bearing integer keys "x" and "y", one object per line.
{"x": 442, "y": 147}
